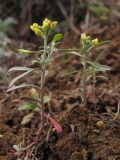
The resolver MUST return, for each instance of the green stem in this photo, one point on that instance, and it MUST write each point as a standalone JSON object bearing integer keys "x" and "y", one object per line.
{"x": 84, "y": 78}
{"x": 42, "y": 89}
{"x": 94, "y": 81}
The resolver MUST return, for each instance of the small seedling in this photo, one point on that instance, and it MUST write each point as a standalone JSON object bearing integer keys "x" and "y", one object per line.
{"x": 90, "y": 68}
{"x": 42, "y": 58}
{"x": 32, "y": 107}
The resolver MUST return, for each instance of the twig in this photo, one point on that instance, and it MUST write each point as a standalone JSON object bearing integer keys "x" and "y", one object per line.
{"x": 114, "y": 88}
{"x": 104, "y": 91}
{"x": 118, "y": 111}
{"x": 84, "y": 79}
{"x": 28, "y": 147}
{"x": 48, "y": 134}
{"x": 87, "y": 16}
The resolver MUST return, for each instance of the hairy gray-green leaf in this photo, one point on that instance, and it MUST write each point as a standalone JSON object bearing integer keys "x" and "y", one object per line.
{"x": 25, "y": 51}
{"x": 99, "y": 44}
{"x": 67, "y": 74}
{"x": 21, "y": 86}
{"x": 19, "y": 77}
{"x": 99, "y": 67}
{"x": 18, "y": 68}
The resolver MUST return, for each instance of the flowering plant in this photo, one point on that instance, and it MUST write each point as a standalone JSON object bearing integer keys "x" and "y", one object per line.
{"x": 42, "y": 57}
{"x": 90, "y": 68}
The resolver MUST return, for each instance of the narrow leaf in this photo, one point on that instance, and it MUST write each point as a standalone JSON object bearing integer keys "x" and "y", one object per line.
{"x": 19, "y": 69}
{"x": 20, "y": 86}
{"x": 67, "y": 74}
{"x": 71, "y": 51}
{"x": 99, "y": 44}
{"x": 76, "y": 53}
{"x": 25, "y": 51}
{"x": 99, "y": 66}
{"x": 18, "y": 77}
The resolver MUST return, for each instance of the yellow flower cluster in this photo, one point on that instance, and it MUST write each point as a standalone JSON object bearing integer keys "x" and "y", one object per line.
{"x": 85, "y": 38}
{"x": 47, "y": 23}
{"x": 41, "y": 30}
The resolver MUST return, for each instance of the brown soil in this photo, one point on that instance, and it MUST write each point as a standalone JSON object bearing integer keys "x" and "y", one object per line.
{"x": 89, "y": 133}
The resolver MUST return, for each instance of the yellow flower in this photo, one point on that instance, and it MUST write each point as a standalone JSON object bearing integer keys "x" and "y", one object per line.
{"x": 46, "y": 24}
{"x": 35, "y": 25}
{"x": 53, "y": 25}
{"x": 35, "y": 28}
{"x": 46, "y": 20}
{"x": 84, "y": 37}
{"x": 38, "y": 32}
{"x": 95, "y": 41}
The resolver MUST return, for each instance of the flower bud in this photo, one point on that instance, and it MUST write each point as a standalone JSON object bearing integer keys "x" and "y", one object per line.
{"x": 84, "y": 37}
{"x": 38, "y": 32}
{"x": 53, "y": 25}
{"x": 94, "y": 41}
{"x": 46, "y": 24}
{"x": 35, "y": 25}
